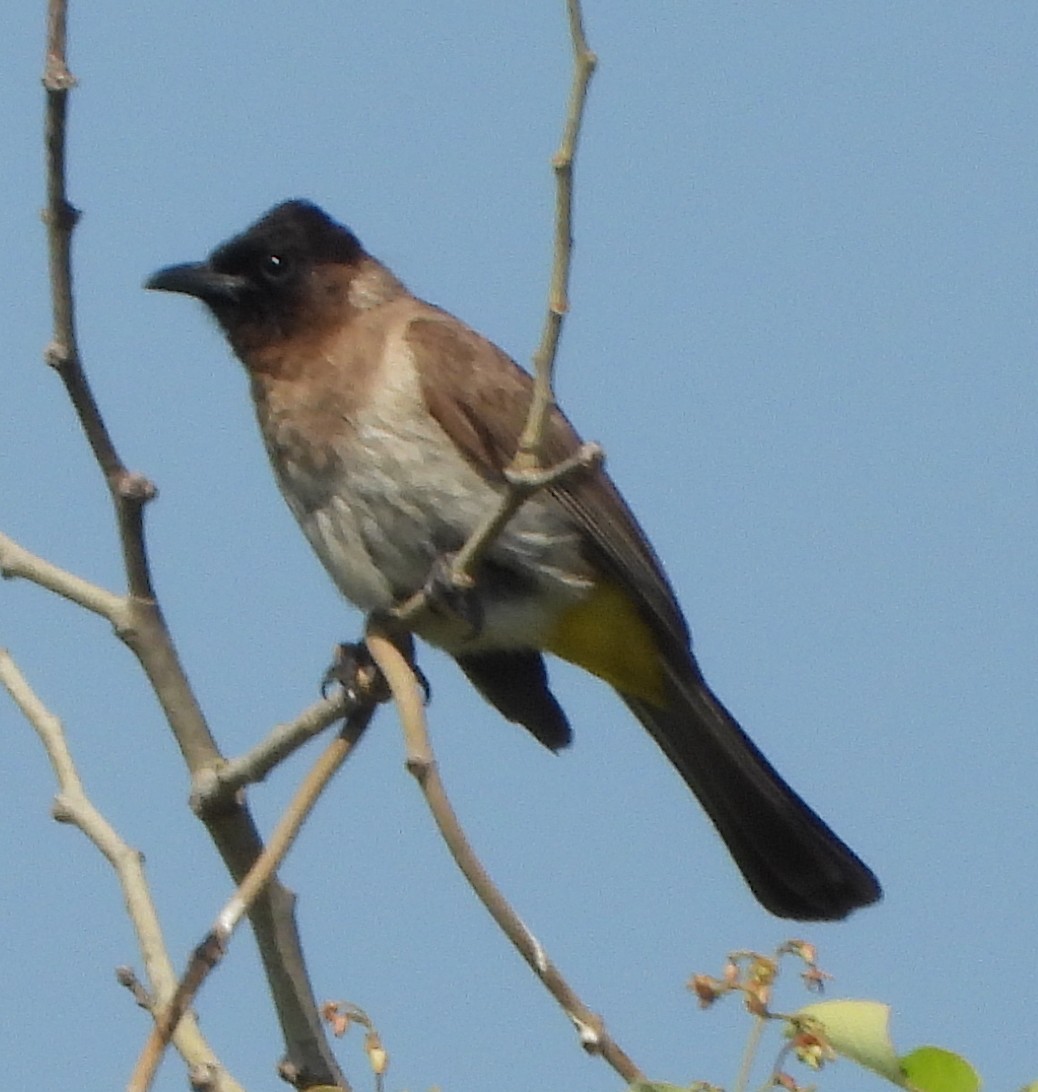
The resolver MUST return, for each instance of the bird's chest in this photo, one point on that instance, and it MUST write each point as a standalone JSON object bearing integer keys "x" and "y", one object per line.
{"x": 382, "y": 493}
{"x": 379, "y": 490}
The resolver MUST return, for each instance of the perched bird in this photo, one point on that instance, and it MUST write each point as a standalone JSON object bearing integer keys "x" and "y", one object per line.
{"x": 388, "y": 423}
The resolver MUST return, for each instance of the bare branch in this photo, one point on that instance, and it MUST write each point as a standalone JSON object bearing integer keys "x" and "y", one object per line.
{"x": 584, "y": 62}
{"x": 73, "y": 806}
{"x": 143, "y": 628}
{"x": 129, "y": 492}
{"x": 16, "y": 561}
{"x": 139, "y": 622}
{"x": 213, "y": 948}
{"x": 421, "y": 762}
{"x": 214, "y": 786}
{"x": 526, "y": 475}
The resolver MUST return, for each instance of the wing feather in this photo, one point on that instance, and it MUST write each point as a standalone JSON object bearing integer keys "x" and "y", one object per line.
{"x": 480, "y": 398}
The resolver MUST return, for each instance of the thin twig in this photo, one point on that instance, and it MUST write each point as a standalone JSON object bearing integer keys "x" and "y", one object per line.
{"x": 291, "y": 822}
{"x": 129, "y": 492}
{"x": 527, "y": 475}
{"x": 341, "y": 1015}
{"x": 213, "y": 787}
{"x": 16, "y": 561}
{"x": 584, "y": 62}
{"x": 749, "y": 1054}
{"x": 127, "y": 978}
{"x": 213, "y": 948}
{"x": 421, "y": 763}
{"x": 142, "y": 626}
{"x": 73, "y": 806}
{"x": 523, "y": 483}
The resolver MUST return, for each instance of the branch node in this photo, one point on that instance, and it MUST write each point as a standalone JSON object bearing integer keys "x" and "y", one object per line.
{"x": 419, "y": 767}
{"x": 127, "y": 977}
{"x": 290, "y": 1073}
{"x": 205, "y": 785}
{"x": 57, "y": 78}
{"x": 527, "y": 477}
{"x": 61, "y": 810}
{"x": 541, "y": 962}
{"x": 62, "y": 216}
{"x": 130, "y": 485}
{"x": 212, "y": 949}
{"x": 227, "y": 919}
{"x": 590, "y": 1033}
{"x": 203, "y": 1077}
{"x": 59, "y": 356}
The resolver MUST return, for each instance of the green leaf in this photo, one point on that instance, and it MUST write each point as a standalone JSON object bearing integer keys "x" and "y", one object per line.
{"x": 859, "y": 1030}
{"x": 932, "y": 1069}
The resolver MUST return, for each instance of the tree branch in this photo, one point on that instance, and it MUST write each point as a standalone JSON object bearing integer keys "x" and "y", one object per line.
{"x": 214, "y": 786}
{"x": 421, "y": 763}
{"x": 141, "y": 625}
{"x": 213, "y": 948}
{"x": 584, "y": 61}
{"x": 16, "y": 561}
{"x": 73, "y": 806}
{"x": 526, "y": 475}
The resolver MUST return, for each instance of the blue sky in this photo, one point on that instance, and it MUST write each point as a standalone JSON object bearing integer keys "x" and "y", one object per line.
{"x": 803, "y": 327}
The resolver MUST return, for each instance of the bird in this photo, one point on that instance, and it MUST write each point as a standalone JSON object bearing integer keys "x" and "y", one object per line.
{"x": 389, "y": 424}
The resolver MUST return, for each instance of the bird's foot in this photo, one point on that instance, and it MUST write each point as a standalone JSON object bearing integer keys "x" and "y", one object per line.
{"x": 354, "y": 669}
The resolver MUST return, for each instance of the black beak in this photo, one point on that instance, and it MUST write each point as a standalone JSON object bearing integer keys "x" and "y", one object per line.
{"x": 200, "y": 280}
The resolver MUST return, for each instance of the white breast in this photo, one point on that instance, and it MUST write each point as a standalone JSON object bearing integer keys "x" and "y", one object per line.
{"x": 398, "y": 495}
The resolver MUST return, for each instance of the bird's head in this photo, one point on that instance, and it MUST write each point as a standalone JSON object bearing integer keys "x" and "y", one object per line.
{"x": 291, "y": 274}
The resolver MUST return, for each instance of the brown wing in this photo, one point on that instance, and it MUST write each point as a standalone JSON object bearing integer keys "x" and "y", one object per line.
{"x": 794, "y": 863}
{"x": 480, "y": 399}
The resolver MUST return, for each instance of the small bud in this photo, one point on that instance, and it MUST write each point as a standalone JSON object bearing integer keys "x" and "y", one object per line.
{"x": 377, "y": 1056}
{"x": 812, "y": 1050}
{"x": 337, "y": 1020}
{"x": 757, "y": 999}
{"x": 815, "y": 979}
{"x": 805, "y": 950}
{"x": 707, "y": 989}
{"x": 763, "y": 970}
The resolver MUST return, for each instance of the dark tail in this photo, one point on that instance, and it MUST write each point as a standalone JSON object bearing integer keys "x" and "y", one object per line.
{"x": 792, "y": 861}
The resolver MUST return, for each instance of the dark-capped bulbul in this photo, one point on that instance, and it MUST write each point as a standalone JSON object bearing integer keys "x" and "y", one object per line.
{"x": 388, "y": 423}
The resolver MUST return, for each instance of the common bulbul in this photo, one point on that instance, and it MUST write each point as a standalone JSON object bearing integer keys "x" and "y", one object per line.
{"x": 388, "y": 423}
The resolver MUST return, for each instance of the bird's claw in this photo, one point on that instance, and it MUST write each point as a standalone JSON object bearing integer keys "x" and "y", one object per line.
{"x": 354, "y": 669}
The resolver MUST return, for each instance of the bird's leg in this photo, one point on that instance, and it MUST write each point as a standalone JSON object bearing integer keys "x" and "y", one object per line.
{"x": 448, "y": 595}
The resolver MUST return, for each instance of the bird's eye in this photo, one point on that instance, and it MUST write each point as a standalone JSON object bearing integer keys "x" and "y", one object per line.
{"x": 274, "y": 267}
